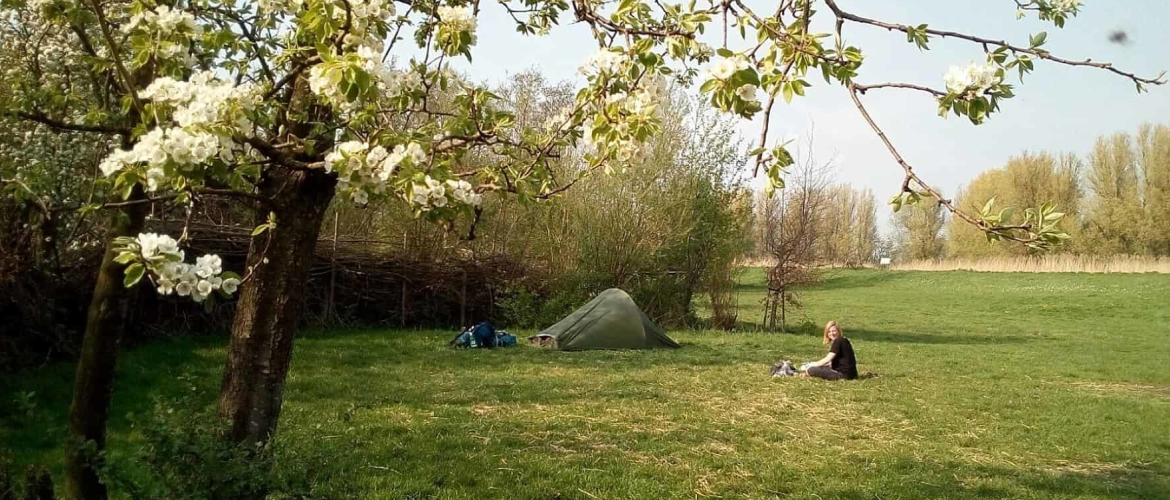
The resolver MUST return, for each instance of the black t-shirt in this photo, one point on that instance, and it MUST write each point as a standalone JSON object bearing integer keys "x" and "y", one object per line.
{"x": 844, "y": 362}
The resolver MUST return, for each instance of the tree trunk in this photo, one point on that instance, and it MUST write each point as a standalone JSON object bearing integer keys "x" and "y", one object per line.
{"x": 330, "y": 307}
{"x": 783, "y": 311}
{"x": 94, "y": 381}
{"x": 265, "y": 322}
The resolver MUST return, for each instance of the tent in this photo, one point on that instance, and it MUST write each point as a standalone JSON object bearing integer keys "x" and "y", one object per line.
{"x": 610, "y": 321}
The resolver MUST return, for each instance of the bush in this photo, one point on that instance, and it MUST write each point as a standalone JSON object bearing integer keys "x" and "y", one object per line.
{"x": 37, "y": 485}
{"x": 540, "y": 305}
{"x": 182, "y": 457}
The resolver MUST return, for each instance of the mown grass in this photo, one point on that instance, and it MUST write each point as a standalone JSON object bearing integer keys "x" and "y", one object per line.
{"x": 989, "y": 386}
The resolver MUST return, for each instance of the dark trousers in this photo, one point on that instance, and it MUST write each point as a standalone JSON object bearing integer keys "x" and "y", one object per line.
{"x": 825, "y": 373}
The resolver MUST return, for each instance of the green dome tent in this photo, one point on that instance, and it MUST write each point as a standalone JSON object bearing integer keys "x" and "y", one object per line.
{"x": 610, "y": 321}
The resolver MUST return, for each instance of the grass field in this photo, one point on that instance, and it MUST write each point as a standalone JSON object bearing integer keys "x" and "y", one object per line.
{"x": 990, "y": 386}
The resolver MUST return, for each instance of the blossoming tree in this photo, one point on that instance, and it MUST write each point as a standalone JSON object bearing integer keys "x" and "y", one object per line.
{"x": 286, "y": 104}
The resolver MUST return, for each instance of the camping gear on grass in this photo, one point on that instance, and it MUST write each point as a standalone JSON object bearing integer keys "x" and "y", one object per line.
{"x": 610, "y": 321}
{"x": 485, "y": 336}
{"x": 783, "y": 369}
{"x": 505, "y": 339}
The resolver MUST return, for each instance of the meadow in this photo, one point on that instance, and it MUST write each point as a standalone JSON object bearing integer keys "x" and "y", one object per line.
{"x": 989, "y": 385}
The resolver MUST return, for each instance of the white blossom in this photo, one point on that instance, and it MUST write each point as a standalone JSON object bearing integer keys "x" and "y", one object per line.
{"x": 458, "y": 19}
{"x": 605, "y": 61}
{"x": 208, "y": 266}
{"x": 727, "y": 66}
{"x": 154, "y": 246}
{"x": 163, "y": 20}
{"x": 208, "y": 112}
{"x": 462, "y": 192}
{"x": 432, "y": 193}
{"x": 746, "y": 92}
{"x": 159, "y": 254}
{"x": 973, "y": 78}
{"x": 360, "y": 196}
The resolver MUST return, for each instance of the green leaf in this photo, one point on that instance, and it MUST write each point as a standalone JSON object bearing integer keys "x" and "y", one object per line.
{"x": 786, "y": 89}
{"x": 750, "y": 76}
{"x": 1038, "y": 39}
{"x": 781, "y": 157}
{"x": 987, "y": 206}
{"x": 708, "y": 86}
{"x": 133, "y": 274}
{"x": 1006, "y": 214}
{"x": 896, "y": 202}
{"x": 126, "y": 257}
{"x": 798, "y": 87}
{"x": 724, "y": 52}
{"x": 259, "y": 229}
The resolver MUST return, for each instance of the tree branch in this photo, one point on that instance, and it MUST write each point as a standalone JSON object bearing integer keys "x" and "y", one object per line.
{"x": 1039, "y": 53}
{"x": 863, "y": 88}
{"x": 549, "y": 194}
{"x": 910, "y": 175}
{"x": 291, "y": 75}
{"x": 196, "y": 191}
{"x": 272, "y": 153}
{"x": 764, "y": 133}
{"x": 589, "y": 16}
{"x": 127, "y": 81}
{"x": 39, "y": 117}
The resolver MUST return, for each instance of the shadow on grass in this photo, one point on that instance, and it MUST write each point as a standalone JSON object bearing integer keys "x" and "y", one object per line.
{"x": 842, "y": 279}
{"x": 976, "y": 481}
{"x": 832, "y": 279}
{"x": 430, "y": 351}
{"x": 792, "y": 330}
{"x": 161, "y": 368}
{"x": 935, "y": 338}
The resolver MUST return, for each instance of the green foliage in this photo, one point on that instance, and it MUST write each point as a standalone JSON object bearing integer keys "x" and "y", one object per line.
{"x": 523, "y": 308}
{"x": 1126, "y": 176}
{"x": 919, "y": 231}
{"x": 849, "y": 231}
{"x": 918, "y": 36}
{"x": 392, "y": 413}
{"x": 180, "y": 456}
{"x": 1115, "y": 201}
{"x": 1014, "y": 195}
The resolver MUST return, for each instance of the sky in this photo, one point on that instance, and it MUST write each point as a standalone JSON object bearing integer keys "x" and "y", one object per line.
{"x": 1056, "y": 109}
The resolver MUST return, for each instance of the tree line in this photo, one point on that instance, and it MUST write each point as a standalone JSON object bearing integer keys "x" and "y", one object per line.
{"x": 1116, "y": 200}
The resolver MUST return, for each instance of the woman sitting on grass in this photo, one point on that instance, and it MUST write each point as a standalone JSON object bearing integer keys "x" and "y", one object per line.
{"x": 839, "y": 363}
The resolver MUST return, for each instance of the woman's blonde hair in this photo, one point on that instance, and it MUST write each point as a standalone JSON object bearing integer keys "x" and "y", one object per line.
{"x": 828, "y": 326}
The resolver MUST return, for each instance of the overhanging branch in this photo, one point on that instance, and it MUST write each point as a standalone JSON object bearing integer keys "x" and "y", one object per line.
{"x": 71, "y": 127}
{"x": 1039, "y": 53}
{"x": 910, "y": 175}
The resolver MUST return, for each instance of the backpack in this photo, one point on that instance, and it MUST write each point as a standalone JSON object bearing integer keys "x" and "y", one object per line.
{"x": 783, "y": 369}
{"x": 482, "y": 335}
{"x": 505, "y": 339}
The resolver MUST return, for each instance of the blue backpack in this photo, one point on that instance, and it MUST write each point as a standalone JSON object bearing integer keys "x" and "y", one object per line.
{"x": 482, "y": 335}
